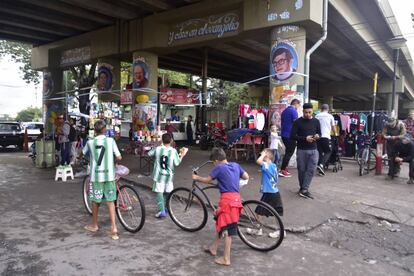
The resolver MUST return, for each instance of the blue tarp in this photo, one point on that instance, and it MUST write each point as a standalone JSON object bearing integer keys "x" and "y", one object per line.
{"x": 234, "y": 135}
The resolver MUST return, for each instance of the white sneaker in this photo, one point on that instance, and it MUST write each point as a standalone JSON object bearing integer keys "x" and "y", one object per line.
{"x": 254, "y": 232}
{"x": 276, "y": 234}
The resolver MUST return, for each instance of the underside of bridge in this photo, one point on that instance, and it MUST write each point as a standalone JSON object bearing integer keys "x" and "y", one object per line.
{"x": 354, "y": 50}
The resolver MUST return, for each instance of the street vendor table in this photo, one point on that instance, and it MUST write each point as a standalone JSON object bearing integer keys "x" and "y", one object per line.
{"x": 141, "y": 149}
{"x": 250, "y": 145}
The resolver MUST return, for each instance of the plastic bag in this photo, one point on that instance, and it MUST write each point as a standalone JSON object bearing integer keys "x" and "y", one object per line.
{"x": 122, "y": 170}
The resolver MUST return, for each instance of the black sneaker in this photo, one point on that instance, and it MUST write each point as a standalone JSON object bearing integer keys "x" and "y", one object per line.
{"x": 305, "y": 194}
{"x": 320, "y": 170}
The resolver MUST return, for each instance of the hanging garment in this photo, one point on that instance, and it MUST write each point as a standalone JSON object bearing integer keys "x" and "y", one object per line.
{"x": 354, "y": 122}
{"x": 345, "y": 122}
{"x": 363, "y": 123}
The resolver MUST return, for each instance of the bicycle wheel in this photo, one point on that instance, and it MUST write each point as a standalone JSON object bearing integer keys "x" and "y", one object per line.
{"x": 130, "y": 208}
{"x": 86, "y": 188}
{"x": 187, "y": 210}
{"x": 264, "y": 232}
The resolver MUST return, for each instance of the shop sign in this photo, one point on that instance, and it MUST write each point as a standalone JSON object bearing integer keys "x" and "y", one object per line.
{"x": 126, "y": 97}
{"x": 75, "y": 56}
{"x": 179, "y": 96}
{"x": 214, "y": 26}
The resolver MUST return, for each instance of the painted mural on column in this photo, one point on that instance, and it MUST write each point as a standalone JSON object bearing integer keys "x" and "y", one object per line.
{"x": 140, "y": 73}
{"x": 51, "y": 109}
{"x": 105, "y": 77}
{"x": 286, "y": 66}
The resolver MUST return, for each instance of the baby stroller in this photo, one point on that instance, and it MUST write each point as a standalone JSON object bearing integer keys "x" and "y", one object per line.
{"x": 335, "y": 158}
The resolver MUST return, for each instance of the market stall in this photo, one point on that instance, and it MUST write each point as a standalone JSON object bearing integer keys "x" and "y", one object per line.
{"x": 176, "y": 106}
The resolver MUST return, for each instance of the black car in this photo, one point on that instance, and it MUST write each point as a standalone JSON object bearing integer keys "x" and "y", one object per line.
{"x": 10, "y": 135}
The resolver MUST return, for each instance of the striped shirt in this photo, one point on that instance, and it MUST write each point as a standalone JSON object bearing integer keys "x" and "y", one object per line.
{"x": 101, "y": 151}
{"x": 166, "y": 158}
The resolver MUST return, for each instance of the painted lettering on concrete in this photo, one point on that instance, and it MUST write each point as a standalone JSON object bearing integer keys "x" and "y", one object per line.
{"x": 214, "y": 26}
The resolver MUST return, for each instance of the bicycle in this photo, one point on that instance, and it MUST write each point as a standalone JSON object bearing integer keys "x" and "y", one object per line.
{"x": 129, "y": 206}
{"x": 367, "y": 156}
{"x": 188, "y": 211}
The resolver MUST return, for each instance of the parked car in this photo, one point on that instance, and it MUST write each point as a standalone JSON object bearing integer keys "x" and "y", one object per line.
{"x": 33, "y": 129}
{"x": 11, "y": 135}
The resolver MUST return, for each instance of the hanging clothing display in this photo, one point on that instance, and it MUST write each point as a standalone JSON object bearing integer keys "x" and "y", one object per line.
{"x": 363, "y": 123}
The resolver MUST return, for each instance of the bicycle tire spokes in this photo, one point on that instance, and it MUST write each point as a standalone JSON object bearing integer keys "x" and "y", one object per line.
{"x": 130, "y": 209}
{"x": 186, "y": 209}
{"x": 259, "y": 226}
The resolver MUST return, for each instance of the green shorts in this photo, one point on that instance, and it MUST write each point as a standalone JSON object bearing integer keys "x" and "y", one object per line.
{"x": 103, "y": 191}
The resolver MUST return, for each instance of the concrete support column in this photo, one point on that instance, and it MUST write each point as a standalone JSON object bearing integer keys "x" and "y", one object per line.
{"x": 389, "y": 103}
{"x": 145, "y": 89}
{"x": 328, "y": 100}
{"x": 52, "y": 105}
{"x": 287, "y": 56}
{"x": 109, "y": 78}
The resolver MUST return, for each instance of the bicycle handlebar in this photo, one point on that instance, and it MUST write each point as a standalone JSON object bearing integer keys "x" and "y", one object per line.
{"x": 196, "y": 169}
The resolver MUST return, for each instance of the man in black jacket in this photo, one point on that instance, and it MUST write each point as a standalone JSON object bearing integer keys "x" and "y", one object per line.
{"x": 404, "y": 152}
{"x": 306, "y": 131}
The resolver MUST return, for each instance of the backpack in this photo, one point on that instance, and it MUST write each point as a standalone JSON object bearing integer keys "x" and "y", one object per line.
{"x": 72, "y": 133}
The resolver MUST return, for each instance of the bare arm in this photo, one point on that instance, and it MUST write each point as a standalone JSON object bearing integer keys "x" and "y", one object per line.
{"x": 259, "y": 160}
{"x": 206, "y": 180}
{"x": 245, "y": 176}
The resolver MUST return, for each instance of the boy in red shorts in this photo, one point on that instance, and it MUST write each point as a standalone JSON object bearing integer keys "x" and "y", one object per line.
{"x": 229, "y": 209}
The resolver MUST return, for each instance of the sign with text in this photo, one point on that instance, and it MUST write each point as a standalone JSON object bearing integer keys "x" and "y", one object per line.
{"x": 179, "y": 96}
{"x": 75, "y": 56}
{"x": 214, "y": 26}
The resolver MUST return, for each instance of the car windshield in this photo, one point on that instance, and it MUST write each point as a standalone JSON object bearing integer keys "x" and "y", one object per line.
{"x": 9, "y": 127}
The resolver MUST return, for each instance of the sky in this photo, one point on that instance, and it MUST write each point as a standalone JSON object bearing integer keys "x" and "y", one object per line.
{"x": 16, "y": 94}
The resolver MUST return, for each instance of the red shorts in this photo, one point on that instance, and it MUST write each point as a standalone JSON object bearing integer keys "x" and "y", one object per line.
{"x": 228, "y": 211}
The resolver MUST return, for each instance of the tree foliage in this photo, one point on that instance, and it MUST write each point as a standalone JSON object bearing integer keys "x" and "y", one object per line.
{"x": 20, "y": 53}
{"x": 29, "y": 114}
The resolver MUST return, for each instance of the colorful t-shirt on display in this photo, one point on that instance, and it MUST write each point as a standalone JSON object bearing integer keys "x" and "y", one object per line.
{"x": 166, "y": 158}
{"x": 228, "y": 177}
{"x": 363, "y": 123}
{"x": 102, "y": 150}
{"x": 345, "y": 122}
{"x": 269, "y": 178}
{"x": 354, "y": 122}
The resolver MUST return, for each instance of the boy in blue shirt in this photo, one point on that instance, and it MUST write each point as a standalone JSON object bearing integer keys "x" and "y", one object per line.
{"x": 228, "y": 175}
{"x": 269, "y": 190}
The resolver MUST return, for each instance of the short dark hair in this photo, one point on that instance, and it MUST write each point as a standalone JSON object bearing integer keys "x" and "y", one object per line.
{"x": 269, "y": 152}
{"x": 294, "y": 101}
{"x": 280, "y": 51}
{"x": 307, "y": 106}
{"x": 166, "y": 138}
{"x": 99, "y": 126}
{"x": 218, "y": 154}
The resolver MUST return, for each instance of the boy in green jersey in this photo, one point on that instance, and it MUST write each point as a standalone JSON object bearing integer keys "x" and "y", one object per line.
{"x": 165, "y": 159}
{"x": 101, "y": 152}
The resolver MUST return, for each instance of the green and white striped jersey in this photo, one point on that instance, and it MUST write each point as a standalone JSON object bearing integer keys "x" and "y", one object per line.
{"x": 166, "y": 158}
{"x": 101, "y": 152}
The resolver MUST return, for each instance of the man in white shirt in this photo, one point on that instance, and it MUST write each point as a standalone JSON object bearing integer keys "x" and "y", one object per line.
{"x": 327, "y": 123}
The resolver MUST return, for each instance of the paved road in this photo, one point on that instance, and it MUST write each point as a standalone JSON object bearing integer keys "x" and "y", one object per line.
{"x": 41, "y": 233}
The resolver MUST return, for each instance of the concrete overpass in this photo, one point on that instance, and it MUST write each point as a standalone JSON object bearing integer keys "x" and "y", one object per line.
{"x": 69, "y": 32}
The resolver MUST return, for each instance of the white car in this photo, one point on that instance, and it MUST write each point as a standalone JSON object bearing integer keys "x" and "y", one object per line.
{"x": 33, "y": 129}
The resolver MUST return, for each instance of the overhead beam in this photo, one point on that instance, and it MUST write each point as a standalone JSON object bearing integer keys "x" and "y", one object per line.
{"x": 15, "y": 37}
{"x": 157, "y": 5}
{"x": 68, "y": 9}
{"x": 105, "y": 8}
{"x": 26, "y": 33}
{"x": 25, "y": 23}
{"x": 44, "y": 17}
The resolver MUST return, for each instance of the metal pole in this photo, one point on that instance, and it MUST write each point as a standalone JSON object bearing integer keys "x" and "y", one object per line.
{"x": 394, "y": 80}
{"x": 371, "y": 129}
{"x": 204, "y": 88}
{"x": 314, "y": 47}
